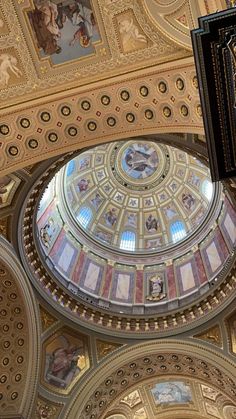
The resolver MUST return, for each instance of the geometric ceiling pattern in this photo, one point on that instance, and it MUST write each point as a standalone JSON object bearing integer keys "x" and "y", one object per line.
{"x": 78, "y": 268}
{"x": 133, "y": 196}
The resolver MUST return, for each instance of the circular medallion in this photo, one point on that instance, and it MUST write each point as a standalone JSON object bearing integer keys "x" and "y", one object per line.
{"x": 139, "y": 160}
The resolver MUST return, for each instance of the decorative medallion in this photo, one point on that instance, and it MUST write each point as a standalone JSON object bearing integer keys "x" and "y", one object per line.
{"x": 72, "y": 131}
{"x": 53, "y": 137}
{"x": 105, "y": 100}
{"x": 166, "y": 111}
{"x": 25, "y": 122}
{"x": 65, "y": 110}
{"x": 4, "y": 129}
{"x": 33, "y": 144}
{"x": 184, "y": 110}
{"x": 45, "y": 116}
{"x": 124, "y": 94}
{"x": 148, "y": 114}
{"x": 111, "y": 121}
{"x": 13, "y": 151}
{"x": 144, "y": 91}
{"x": 92, "y": 126}
{"x": 179, "y": 84}
{"x": 162, "y": 87}
{"x": 130, "y": 117}
{"x": 85, "y": 105}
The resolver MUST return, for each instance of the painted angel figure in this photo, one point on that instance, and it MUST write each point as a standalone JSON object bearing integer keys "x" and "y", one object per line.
{"x": 8, "y": 65}
{"x": 84, "y": 19}
{"x": 130, "y": 33}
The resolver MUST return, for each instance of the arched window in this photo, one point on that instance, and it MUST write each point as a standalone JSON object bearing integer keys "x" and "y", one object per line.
{"x": 127, "y": 241}
{"x": 207, "y": 189}
{"x": 84, "y": 216}
{"x": 177, "y": 231}
{"x": 70, "y": 168}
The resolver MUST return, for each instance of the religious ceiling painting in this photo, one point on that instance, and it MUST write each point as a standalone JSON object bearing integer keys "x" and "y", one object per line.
{"x": 108, "y": 221}
{"x": 156, "y": 285}
{"x": 8, "y": 187}
{"x": 168, "y": 393}
{"x": 64, "y": 30}
{"x": 137, "y": 175}
{"x": 11, "y": 70}
{"x": 66, "y": 359}
{"x": 130, "y": 34}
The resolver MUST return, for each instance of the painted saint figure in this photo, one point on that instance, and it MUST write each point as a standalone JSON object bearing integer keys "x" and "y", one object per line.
{"x": 152, "y": 224}
{"x": 156, "y": 289}
{"x": 188, "y": 201}
{"x": 111, "y": 217}
{"x": 64, "y": 363}
{"x": 47, "y": 32}
{"x": 83, "y": 185}
{"x": 47, "y": 232}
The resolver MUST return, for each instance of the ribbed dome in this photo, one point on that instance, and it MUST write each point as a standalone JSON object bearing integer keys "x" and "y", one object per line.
{"x": 135, "y": 195}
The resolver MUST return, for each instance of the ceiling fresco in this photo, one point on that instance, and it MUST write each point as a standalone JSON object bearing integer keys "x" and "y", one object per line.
{"x": 139, "y": 281}
{"x": 41, "y": 43}
{"x": 132, "y": 196}
{"x": 165, "y": 398}
{"x": 106, "y": 310}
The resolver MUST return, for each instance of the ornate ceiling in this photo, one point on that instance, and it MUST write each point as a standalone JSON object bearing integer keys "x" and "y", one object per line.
{"x": 77, "y": 74}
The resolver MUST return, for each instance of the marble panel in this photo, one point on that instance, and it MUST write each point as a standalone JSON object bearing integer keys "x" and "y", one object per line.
{"x": 107, "y": 282}
{"x": 187, "y": 277}
{"x": 78, "y": 267}
{"x": 91, "y": 276}
{"x": 213, "y": 257}
{"x": 66, "y": 257}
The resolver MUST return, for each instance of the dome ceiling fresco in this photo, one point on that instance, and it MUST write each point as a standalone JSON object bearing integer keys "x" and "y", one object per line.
{"x": 134, "y": 196}
{"x": 134, "y": 225}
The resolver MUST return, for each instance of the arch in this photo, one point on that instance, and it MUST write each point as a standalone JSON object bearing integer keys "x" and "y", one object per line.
{"x": 117, "y": 371}
{"x": 177, "y": 231}
{"x": 22, "y": 331}
{"x": 128, "y": 240}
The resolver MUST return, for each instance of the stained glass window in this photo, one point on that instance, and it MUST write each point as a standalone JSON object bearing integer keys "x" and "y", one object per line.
{"x": 127, "y": 241}
{"x": 84, "y": 216}
{"x": 178, "y": 231}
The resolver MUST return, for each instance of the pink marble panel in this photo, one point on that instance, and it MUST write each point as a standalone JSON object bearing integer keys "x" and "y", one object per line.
{"x": 57, "y": 245}
{"x": 50, "y": 210}
{"x": 222, "y": 243}
{"x": 139, "y": 287}
{"x": 107, "y": 282}
{"x": 200, "y": 267}
{"x": 172, "y": 292}
{"x": 78, "y": 267}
